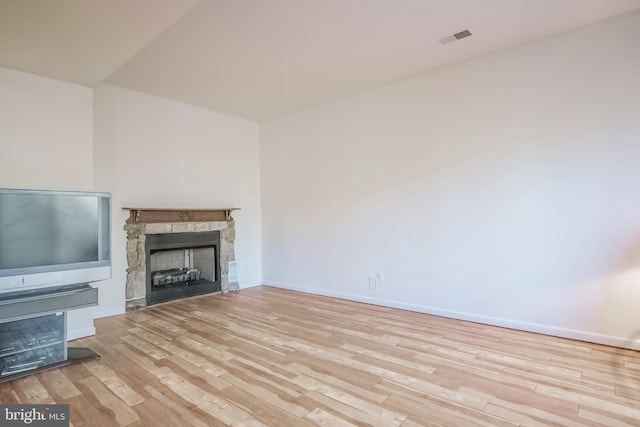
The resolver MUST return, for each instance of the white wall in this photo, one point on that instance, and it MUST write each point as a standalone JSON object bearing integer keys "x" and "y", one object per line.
{"x": 502, "y": 190}
{"x": 46, "y": 134}
{"x": 153, "y": 152}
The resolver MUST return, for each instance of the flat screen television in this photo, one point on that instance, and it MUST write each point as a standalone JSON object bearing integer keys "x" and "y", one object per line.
{"x": 53, "y": 238}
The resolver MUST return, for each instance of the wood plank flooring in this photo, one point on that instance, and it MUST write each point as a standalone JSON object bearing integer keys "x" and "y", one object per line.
{"x": 270, "y": 357}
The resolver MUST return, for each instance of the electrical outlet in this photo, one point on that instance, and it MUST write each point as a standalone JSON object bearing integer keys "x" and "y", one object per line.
{"x": 373, "y": 283}
{"x": 241, "y": 266}
{"x": 379, "y": 278}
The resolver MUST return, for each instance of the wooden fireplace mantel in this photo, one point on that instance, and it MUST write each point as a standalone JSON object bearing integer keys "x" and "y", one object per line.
{"x": 156, "y": 215}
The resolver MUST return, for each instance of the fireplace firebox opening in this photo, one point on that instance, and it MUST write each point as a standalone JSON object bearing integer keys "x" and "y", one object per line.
{"x": 179, "y": 265}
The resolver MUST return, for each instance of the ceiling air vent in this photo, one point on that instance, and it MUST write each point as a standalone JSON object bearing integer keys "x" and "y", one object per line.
{"x": 457, "y": 36}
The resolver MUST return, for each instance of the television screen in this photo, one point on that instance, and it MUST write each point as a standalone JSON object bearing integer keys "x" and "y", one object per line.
{"x": 46, "y": 231}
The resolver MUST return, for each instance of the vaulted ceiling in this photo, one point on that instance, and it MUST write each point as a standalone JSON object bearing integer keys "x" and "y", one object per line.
{"x": 262, "y": 58}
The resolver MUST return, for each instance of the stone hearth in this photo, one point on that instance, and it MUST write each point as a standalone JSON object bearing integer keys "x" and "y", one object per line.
{"x": 152, "y": 221}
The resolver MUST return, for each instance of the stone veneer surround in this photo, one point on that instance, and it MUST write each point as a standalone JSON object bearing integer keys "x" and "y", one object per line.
{"x": 136, "y": 287}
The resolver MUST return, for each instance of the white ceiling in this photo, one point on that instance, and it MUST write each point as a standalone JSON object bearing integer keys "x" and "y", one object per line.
{"x": 262, "y": 58}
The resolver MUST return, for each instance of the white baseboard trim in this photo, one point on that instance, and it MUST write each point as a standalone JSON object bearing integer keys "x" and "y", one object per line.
{"x": 80, "y": 333}
{"x": 580, "y": 335}
{"x": 108, "y": 312}
{"x": 249, "y": 285}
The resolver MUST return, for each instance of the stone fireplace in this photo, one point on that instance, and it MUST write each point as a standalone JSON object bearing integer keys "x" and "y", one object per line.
{"x": 174, "y": 253}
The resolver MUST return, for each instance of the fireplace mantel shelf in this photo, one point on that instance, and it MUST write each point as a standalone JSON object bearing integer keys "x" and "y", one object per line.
{"x": 158, "y": 215}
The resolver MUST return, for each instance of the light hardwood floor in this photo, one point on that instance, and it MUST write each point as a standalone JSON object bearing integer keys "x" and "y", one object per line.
{"x": 266, "y": 356}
